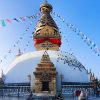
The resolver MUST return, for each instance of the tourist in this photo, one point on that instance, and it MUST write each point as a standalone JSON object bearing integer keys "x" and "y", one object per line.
{"x": 82, "y": 96}
{"x": 86, "y": 94}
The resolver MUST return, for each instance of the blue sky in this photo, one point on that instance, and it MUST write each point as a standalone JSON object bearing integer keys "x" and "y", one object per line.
{"x": 84, "y": 14}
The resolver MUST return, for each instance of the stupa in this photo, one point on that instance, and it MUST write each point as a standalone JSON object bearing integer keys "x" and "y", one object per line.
{"x": 46, "y": 65}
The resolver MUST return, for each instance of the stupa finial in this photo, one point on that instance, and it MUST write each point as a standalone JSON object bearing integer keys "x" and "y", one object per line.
{"x": 46, "y": 35}
{"x": 46, "y": 1}
{"x": 93, "y": 74}
{"x": 46, "y": 7}
{"x": 90, "y": 71}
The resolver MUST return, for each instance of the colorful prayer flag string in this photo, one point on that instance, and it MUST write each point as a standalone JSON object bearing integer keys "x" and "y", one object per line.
{"x": 91, "y": 44}
{"x": 4, "y": 22}
{"x": 18, "y": 41}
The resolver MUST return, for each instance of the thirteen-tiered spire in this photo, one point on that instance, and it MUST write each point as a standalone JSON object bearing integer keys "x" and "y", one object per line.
{"x": 46, "y": 35}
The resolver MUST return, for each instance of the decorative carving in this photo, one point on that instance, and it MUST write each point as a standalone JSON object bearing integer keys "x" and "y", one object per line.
{"x": 47, "y": 35}
{"x": 45, "y": 75}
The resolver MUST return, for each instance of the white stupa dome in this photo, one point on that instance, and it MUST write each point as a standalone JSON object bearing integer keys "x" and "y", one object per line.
{"x": 65, "y": 64}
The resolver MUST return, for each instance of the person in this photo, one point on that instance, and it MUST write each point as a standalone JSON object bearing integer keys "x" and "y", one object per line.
{"x": 82, "y": 96}
{"x": 86, "y": 94}
{"x": 59, "y": 97}
{"x": 30, "y": 96}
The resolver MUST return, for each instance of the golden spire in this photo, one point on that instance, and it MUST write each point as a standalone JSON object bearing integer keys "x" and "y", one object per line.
{"x": 46, "y": 7}
{"x": 47, "y": 35}
{"x": 46, "y": 1}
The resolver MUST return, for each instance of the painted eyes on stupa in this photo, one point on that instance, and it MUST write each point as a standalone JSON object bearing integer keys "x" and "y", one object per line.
{"x": 44, "y": 9}
{"x": 43, "y": 22}
{"x": 47, "y": 46}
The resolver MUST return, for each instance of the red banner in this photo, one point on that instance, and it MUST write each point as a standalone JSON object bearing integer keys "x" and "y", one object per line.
{"x": 52, "y": 40}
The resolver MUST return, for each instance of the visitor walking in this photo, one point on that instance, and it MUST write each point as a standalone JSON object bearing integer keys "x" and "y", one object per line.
{"x": 82, "y": 96}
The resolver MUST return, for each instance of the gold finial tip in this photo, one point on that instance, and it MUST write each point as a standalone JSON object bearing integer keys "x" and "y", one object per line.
{"x": 45, "y": 1}
{"x": 46, "y": 7}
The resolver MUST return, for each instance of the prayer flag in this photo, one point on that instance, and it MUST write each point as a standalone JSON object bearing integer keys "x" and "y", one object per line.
{"x": 16, "y": 19}
{"x": 23, "y": 18}
{"x": 0, "y": 25}
{"x": 8, "y": 20}
{"x": 3, "y": 23}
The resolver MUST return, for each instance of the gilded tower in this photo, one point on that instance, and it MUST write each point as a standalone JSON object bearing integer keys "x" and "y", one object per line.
{"x": 45, "y": 76}
{"x": 46, "y": 35}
